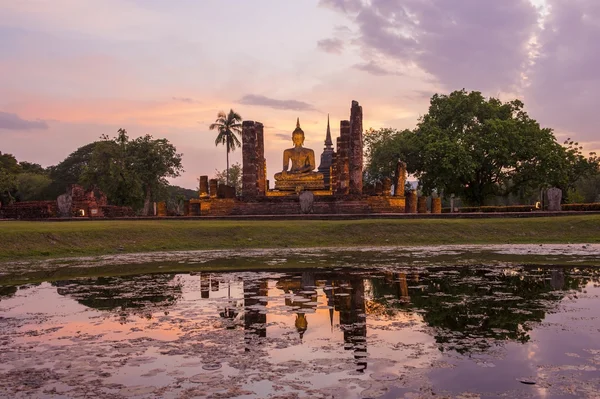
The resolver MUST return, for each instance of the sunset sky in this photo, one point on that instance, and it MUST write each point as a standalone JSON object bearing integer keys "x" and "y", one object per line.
{"x": 71, "y": 70}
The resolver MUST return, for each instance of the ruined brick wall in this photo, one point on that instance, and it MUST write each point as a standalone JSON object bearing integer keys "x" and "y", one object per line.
{"x": 30, "y": 210}
{"x": 355, "y": 155}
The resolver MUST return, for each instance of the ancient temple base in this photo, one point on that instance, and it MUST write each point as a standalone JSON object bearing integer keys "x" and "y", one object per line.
{"x": 285, "y": 203}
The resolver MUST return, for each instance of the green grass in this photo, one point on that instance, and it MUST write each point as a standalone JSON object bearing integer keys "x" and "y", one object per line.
{"x": 20, "y": 240}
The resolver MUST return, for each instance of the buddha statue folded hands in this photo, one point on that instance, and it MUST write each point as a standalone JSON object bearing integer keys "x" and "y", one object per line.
{"x": 301, "y": 175}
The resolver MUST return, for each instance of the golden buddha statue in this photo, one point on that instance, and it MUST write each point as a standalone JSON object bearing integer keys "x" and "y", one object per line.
{"x": 300, "y": 176}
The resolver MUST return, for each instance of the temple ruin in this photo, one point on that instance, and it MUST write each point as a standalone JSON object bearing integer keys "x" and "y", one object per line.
{"x": 336, "y": 186}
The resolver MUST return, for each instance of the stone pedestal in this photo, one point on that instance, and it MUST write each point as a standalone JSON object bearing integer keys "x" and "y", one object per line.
{"x": 436, "y": 205}
{"x": 422, "y": 204}
{"x": 411, "y": 202}
{"x": 554, "y": 198}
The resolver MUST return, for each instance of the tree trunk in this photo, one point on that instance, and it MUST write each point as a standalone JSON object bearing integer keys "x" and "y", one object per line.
{"x": 227, "y": 178}
{"x": 146, "y": 211}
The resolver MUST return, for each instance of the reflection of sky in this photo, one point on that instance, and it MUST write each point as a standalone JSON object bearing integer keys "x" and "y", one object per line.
{"x": 396, "y": 343}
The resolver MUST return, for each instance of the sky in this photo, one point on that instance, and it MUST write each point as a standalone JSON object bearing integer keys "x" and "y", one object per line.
{"x": 73, "y": 70}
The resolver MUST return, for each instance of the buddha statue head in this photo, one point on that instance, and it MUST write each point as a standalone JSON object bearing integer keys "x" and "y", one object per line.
{"x": 298, "y": 135}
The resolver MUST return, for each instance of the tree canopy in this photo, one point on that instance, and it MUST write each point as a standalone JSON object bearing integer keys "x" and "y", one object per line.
{"x": 131, "y": 172}
{"x": 477, "y": 148}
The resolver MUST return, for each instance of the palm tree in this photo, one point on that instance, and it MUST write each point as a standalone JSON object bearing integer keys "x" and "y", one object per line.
{"x": 229, "y": 125}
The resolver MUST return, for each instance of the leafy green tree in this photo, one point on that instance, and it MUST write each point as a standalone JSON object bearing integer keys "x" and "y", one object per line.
{"x": 229, "y": 127}
{"x": 131, "y": 172}
{"x": 235, "y": 177}
{"x": 154, "y": 160}
{"x": 70, "y": 170}
{"x": 32, "y": 186}
{"x": 383, "y": 148}
{"x": 478, "y": 148}
{"x": 9, "y": 168}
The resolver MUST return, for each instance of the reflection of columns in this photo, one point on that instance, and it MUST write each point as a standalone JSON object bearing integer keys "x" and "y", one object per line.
{"x": 204, "y": 285}
{"x": 557, "y": 280}
{"x": 214, "y": 285}
{"x": 254, "y": 320}
{"x": 353, "y": 322}
{"x": 403, "y": 286}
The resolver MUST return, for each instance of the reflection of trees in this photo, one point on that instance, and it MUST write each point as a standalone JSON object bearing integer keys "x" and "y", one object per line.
{"x": 135, "y": 294}
{"x": 470, "y": 305}
{"x": 7, "y": 291}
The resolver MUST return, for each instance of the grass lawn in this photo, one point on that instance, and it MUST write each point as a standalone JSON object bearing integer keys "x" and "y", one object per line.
{"x": 20, "y": 240}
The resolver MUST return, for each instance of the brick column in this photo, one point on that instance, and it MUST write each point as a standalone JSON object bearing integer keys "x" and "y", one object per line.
{"x": 355, "y": 154}
{"x": 203, "y": 192}
{"x": 343, "y": 152}
{"x": 249, "y": 155}
{"x": 400, "y": 179}
{"x": 261, "y": 165}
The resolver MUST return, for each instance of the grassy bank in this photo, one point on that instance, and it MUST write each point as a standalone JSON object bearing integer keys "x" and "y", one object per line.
{"x": 20, "y": 240}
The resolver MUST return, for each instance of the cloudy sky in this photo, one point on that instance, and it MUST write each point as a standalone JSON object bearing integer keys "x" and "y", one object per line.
{"x": 71, "y": 70}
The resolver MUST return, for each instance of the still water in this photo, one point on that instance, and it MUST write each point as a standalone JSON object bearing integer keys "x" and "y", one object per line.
{"x": 414, "y": 332}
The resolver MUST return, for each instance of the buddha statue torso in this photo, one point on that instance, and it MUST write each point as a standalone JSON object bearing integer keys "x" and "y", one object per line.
{"x": 301, "y": 173}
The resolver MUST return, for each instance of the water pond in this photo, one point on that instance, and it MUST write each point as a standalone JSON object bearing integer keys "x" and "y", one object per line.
{"x": 417, "y": 331}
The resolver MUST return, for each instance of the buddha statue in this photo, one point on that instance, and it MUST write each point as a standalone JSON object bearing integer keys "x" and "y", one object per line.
{"x": 301, "y": 175}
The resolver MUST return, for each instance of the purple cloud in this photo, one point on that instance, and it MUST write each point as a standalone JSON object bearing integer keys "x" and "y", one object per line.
{"x": 253, "y": 99}
{"x": 478, "y": 44}
{"x": 374, "y": 69}
{"x": 332, "y": 46}
{"x": 565, "y": 79}
{"x": 10, "y": 121}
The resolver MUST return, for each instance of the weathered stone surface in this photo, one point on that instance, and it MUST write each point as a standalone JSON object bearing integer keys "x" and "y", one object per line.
{"x": 203, "y": 191}
{"x": 436, "y": 205}
{"x": 422, "y": 205}
{"x": 356, "y": 149}
{"x": 249, "y": 160}
{"x": 400, "y": 179}
{"x": 307, "y": 200}
{"x": 64, "y": 203}
{"x": 554, "y": 199}
{"x": 411, "y": 202}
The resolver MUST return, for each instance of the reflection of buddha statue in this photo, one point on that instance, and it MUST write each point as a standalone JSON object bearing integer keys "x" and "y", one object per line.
{"x": 300, "y": 176}
{"x": 301, "y": 324}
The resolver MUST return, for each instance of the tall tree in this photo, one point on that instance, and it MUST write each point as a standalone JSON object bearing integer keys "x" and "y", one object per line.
{"x": 229, "y": 127}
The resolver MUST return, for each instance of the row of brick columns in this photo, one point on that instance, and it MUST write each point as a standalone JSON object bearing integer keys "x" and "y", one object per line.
{"x": 416, "y": 204}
